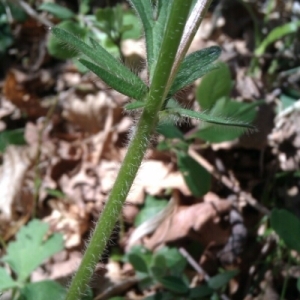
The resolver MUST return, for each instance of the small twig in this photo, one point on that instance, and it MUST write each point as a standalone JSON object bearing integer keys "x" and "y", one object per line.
{"x": 193, "y": 263}
{"x": 117, "y": 289}
{"x": 227, "y": 182}
{"x": 32, "y": 13}
{"x": 37, "y": 174}
{"x": 198, "y": 268}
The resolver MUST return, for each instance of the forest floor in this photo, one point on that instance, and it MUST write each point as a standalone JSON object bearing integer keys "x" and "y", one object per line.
{"x": 64, "y": 135}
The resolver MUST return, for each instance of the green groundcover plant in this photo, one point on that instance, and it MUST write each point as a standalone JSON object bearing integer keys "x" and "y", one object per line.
{"x": 169, "y": 27}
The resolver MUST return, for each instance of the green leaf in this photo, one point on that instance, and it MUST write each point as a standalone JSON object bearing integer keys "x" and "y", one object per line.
{"x": 31, "y": 249}
{"x": 6, "y": 282}
{"x": 287, "y": 226}
{"x": 134, "y": 105}
{"x": 161, "y": 296}
{"x": 153, "y": 20}
{"x": 158, "y": 266}
{"x": 169, "y": 131}
{"x": 195, "y": 176}
{"x": 38, "y": 290}
{"x": 213, "y": 86}
{"x": 151, "y": 208}
{"x": 6, "y": 38}
{"x": 57, "y": 10}
{"x": 174, "y": 284}
{"x": 144, "y": 11}
{"x": 110, "y": 21}
{"x": 199, "y": 292}
{"x": 160, "y": 16}
{"x": 132, "y": 25}
{"x": 55, "y": 193}
{"x": 11, "y": 137}
{"x": 16, "y": 11}
{"x": 276, "y": 34}
{"x": 235, "y": 113}
{"x": 118, "y": 83}
{"x": 286, "y": 101}
{"x": 84, "y": 6}
{"x": 138, "y": 262}
{"x": 195, "y": 66}
{"x": 222, "y": 279}
{"x": 175, "y": 262}
{"x": 105, "y": 66}
{"x": 60, "y": 48}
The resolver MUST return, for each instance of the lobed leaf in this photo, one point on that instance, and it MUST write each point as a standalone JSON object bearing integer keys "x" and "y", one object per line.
{"x": 6, "y": 282}
{"x": 119, "y": 84}
{"x": 30, "y": 249}
{"x": 195, "y": 66}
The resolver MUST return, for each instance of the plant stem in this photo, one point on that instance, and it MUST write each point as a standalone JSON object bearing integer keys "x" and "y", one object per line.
{"x": 286, "y": 279}
{"x": 136, "y": 150}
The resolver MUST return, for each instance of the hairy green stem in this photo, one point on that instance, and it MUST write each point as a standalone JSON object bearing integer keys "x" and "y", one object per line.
{"x": 137, "y": 148}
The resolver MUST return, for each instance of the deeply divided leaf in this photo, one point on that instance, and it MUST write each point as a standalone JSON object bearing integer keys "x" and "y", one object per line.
{"x": 195, "y": 66}
{"x": 6, "y": 282}
{"x": 31, "y": 249}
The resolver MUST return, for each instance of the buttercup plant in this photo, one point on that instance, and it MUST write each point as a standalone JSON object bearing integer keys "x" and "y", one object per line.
{"x": 169, "y": 27}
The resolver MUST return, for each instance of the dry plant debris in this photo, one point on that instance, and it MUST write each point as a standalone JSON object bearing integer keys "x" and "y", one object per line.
{"x": 76, "y": 136}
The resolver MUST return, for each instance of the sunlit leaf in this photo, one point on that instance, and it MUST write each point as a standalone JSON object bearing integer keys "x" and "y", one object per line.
{"x": 195, "y": 66}
{"x": 31, "y": 249}
{"x": 117, "y": 83}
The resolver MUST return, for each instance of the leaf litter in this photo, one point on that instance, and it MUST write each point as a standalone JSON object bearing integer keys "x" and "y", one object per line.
{"x": 66, "y": 170}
